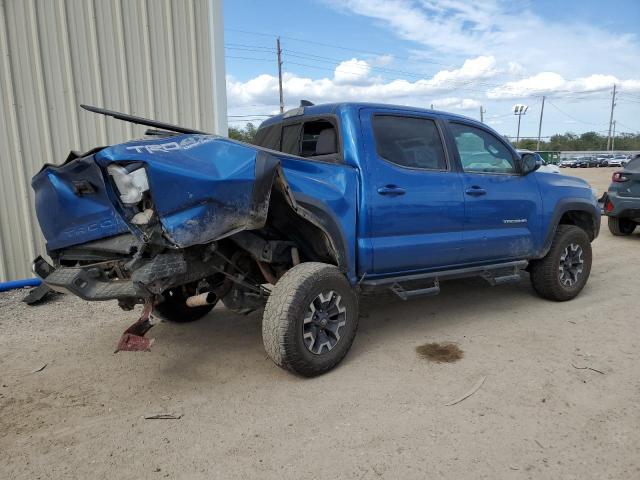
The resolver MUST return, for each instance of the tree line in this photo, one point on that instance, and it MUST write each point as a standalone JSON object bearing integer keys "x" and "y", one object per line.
{"x": 588, "y": 141}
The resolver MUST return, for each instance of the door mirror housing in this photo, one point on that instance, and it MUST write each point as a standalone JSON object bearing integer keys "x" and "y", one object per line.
{"x": 530, "y": 162}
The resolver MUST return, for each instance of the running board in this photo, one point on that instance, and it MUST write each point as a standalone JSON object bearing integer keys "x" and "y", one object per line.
{"x": 420, "y": 292}
{"x": 497, "y": 274}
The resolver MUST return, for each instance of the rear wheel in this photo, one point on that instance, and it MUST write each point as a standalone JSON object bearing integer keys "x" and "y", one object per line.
{"x": 621, "y": 226}
{"x": 564, "y": 271}
{"x": 174, "y": 306}
{"x": 310, "y": 319}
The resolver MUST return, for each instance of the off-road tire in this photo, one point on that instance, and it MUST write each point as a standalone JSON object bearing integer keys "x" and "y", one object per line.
{"x": 287, "y": 306}
{"x": 545, "y": 273}
{"x": 173, "y": 308}
{"x": 621, "y": 227}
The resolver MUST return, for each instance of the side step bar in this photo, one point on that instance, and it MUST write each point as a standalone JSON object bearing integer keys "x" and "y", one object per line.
{"x": 400, "y": 291}
{"x": 496, "y": 274}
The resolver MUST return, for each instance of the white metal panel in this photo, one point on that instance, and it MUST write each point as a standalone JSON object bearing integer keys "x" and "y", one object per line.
{"x": 151, "y": 58}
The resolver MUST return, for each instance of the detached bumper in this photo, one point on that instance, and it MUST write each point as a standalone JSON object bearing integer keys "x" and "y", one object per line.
{"x": 83, "y": 282}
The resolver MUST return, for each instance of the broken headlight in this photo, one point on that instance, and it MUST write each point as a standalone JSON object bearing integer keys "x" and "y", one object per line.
{"x": 131, "y": 185}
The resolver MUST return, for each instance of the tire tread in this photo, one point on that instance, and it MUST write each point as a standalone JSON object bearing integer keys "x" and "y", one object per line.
{"x": 285, "y": 298}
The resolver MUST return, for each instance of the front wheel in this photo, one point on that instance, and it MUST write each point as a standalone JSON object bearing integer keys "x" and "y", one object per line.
{"x": 564, "y": 271}
{"x": 310, "y": 319}
{"x": 621, "y": 226}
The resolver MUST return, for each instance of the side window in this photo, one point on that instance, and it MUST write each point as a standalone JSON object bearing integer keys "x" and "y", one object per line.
{"x": 480, "y": 151}
{"x": 291, "y": 139}
{"x": 318, "y": 138}
{"x": 268, "y": 137}
{"x": 409, "y": 142}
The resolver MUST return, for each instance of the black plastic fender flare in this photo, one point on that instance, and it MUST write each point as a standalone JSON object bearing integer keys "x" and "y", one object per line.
{"x": 564, "y": 206}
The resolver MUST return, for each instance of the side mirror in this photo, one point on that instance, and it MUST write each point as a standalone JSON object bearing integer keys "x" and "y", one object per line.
{"x": 530, "y": 163}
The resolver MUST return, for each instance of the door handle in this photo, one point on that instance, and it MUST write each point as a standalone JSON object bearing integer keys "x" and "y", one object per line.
{"x": 475, "y": 191}
{"x": 392, "y": 190}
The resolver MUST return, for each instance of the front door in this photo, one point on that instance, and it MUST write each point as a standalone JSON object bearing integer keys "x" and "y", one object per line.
{"x": 502, "y": 205}
{"x": 415, "y": 210}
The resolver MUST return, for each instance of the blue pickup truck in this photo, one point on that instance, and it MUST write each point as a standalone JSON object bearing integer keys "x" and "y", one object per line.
{"x": 332, "y": 200}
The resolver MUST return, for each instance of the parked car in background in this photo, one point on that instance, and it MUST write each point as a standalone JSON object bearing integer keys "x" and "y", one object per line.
{"x": 624, "y": 159}
{"x": 622, "y": 200}
{"x": 586, "y": 162}
{"x": 544, "y": 166}
{"x": 615, "y": 162}
{"x": 567, "y": 163}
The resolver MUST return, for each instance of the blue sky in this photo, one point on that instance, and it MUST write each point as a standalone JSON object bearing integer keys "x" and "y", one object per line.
{"x": 451, "y": 53}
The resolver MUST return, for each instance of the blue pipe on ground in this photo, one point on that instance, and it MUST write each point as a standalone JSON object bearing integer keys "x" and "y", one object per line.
{"x": 14, "y": 284}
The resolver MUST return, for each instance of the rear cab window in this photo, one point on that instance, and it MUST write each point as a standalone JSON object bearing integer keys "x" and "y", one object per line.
{"x": 314, "y": 139}
{"x": 269, "y": 137}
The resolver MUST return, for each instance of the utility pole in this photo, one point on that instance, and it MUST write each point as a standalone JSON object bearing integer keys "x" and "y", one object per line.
{"x": 279, "y": 50}
{"x": 482, "y": 112}
{"x": 540, "y": 124}
{"x": 613, "y": 104}
{"x": 613, "y": 137}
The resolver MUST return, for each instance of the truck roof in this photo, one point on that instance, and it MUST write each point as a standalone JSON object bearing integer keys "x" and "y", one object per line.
{"x": 332, "y": 108}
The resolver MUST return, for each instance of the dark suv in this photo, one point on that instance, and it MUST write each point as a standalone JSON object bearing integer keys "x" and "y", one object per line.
{"x": 622, "y": 201}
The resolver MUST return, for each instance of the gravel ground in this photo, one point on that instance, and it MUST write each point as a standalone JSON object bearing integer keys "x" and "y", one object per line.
{"x": 380, "y": 414}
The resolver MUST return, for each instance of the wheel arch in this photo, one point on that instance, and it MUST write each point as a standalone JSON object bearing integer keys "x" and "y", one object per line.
{"x": 579, "y": 213}
{"x": 304, "y": 220}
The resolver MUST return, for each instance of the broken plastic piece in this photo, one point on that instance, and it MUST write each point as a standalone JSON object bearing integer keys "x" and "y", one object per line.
{"x": 133, "y": 339}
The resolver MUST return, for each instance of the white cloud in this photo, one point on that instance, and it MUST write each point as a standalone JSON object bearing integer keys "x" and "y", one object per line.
{"x": 352, "y": 72}
{"x": 472, "y": 69}
{"x": 550, "y": 83}
{"x": 509, "y": 31}
{"x": 497, "y": 50}
{"x": 353, "y": 80}
{"x": 456, "y": 103}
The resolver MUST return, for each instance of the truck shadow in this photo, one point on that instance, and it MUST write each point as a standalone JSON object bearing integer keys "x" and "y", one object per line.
{"x": 226, "y": 346}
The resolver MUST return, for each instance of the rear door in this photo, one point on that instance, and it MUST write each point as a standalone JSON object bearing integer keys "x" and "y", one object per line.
{"x": 415, "y": 205}
{"x": 502, "y": 205}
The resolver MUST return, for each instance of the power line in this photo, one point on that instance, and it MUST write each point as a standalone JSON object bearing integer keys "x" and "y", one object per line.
{"x": 254, "y": 115}
{"x": 571, "y": 116}
{"x": 249, "y": 58}
{"x": 329, "y": 45}
{"x": 568, "y": 94}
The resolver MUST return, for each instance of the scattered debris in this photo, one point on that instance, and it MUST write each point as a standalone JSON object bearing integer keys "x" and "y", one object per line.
{"x": 163, "y": 416}
{"x": 39, "y": 294}
{"x": 513, "y": 468}
{"x": 539, "y": 444}
{"x": 39, "y": 369}
{"x": 587, "y": 368}
{"x": 133, "y": 339}
{"x": 473, "y": 390}
{"x": 440, "y": 352}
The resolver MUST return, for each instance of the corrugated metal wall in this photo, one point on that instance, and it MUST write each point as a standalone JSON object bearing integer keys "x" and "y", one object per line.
{"x": 151, "y": 58}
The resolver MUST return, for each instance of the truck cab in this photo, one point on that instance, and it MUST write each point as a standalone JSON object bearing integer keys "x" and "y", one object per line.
{"x": 436, "y": 190}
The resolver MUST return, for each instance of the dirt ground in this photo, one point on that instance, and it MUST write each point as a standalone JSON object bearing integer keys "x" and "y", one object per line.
{"x": 381, "y": 414}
